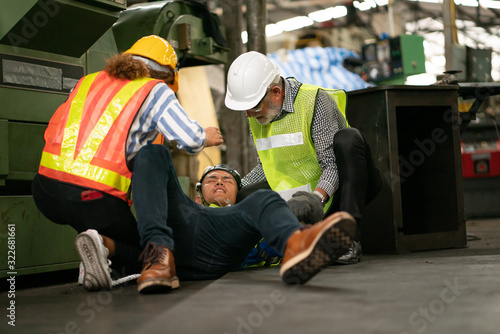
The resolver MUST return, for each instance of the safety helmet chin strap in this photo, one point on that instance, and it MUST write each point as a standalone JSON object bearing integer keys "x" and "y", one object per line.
{"x": 198, "y": 187}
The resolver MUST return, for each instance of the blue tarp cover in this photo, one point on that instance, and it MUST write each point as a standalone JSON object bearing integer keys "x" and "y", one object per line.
{"x": 319, "y": 66}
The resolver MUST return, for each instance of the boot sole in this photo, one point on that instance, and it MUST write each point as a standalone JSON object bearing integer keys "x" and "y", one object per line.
{"x": 347, "y": 259}
{"x": 332, "y": 242}
{"x": 96, "y": 275}
{"x": 158, "y": 285}
{"x": 354, "y": 261}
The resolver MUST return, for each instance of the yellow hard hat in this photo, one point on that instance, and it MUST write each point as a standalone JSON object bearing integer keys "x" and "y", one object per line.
{"x": 159, "y": 50}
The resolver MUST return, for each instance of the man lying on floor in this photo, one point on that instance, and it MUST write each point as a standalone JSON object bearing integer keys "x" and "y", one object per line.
{"x": 210, "y": 240}
{"x": 219, "y": 193}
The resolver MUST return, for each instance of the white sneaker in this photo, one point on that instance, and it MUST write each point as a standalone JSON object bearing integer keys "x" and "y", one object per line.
{"x": 81, "y": 273}
{"x": 96, "y": 274}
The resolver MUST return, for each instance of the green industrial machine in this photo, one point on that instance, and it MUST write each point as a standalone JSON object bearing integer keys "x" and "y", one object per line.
{"x": 46, "y": 46}
{"x": 392, "y": 60}
{"x": 195, "y": 33}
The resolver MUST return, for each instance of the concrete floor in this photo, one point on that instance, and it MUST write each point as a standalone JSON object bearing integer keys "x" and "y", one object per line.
{"x": 447, "y": 291}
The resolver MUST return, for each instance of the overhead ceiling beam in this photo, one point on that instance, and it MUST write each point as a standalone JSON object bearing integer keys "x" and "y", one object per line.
{"x": 484, "y": 25}
{"x": 304, "y": 3}
{"x": 438, "y": 17}
{"x": 494, "y": 11}
{"x": 414, "y": 5}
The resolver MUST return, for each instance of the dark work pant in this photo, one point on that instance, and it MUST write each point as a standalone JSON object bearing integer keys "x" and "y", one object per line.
{"x": 359, "y": 179}
{"x": 62, "y": 204}
{"x": 207, "y": 242}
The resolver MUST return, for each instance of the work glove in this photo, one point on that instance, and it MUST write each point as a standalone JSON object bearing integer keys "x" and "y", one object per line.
{"x": 306, "y": 206}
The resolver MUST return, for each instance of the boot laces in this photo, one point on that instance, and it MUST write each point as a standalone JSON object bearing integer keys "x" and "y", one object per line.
{"x": 154, "y": 254}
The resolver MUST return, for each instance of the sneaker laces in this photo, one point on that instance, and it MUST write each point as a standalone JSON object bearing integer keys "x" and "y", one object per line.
{"x": 114, "y": 283}
{"x": 121, "y": 280}
{"x": 125, "y": 279}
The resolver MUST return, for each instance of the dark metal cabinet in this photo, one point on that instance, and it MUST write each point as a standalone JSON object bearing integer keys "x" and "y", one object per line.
{"x": 414, "y": 135}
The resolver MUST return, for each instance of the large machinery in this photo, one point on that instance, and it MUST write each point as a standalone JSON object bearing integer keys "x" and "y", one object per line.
{"x": 392, "y": 60}
{"x": 46, "y": 46}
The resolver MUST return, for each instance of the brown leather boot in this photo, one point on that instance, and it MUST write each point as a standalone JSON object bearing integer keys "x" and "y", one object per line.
{"x": 158, "y": 274}
{"x": 313, "y": 247}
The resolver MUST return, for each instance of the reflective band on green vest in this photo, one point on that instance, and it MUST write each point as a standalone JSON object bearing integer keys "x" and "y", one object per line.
{"x": 287, "y": 139}
{"x": 286, "y": 149}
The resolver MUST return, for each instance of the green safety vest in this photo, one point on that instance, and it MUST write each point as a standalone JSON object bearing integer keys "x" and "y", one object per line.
{"x": 285, "y": 147}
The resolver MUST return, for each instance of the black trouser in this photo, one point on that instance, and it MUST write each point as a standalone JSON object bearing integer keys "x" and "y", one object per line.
{"x": 359, "y": 179}
{"x": 207, "y": 242}
{"x": 62, "y": 204}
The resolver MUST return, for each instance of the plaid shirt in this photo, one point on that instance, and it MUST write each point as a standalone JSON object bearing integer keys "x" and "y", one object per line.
{"x": 326, "y": 122}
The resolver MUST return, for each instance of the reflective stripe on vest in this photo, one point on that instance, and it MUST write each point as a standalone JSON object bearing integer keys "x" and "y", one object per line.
{"x": 287, "y": 139}
{"x": 85, "y": 139}
{"x": 286, "y": 149}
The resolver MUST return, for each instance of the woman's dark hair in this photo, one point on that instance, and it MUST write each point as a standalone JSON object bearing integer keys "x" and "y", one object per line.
{"x": 124, "y": 66}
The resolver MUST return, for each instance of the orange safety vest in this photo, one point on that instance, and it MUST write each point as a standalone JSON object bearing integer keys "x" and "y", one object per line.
{"x": 85, "y": 138}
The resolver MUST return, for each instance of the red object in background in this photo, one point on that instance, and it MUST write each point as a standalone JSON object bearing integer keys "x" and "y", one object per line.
{"x": 480, "y": 162}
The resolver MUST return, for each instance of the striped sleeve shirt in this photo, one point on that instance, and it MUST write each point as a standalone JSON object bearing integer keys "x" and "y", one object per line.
{"x": 162, "y": 113}
{"x": 326, "y": 122}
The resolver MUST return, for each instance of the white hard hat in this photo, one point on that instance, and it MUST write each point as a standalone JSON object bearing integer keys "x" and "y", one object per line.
{"x": 247, "y": 80}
